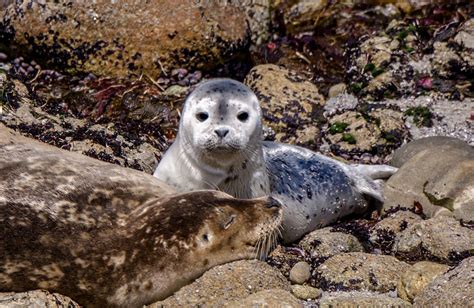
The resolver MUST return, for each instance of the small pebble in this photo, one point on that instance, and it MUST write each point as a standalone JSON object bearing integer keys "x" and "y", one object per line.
{"x": 180, "y": 73}
{"x": 300, "y": 272}
{"x": 3, "y": 56}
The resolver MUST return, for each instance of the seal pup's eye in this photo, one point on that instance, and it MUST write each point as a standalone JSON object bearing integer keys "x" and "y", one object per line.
{"x": 229, "y": 222}
{"x": 243, "y": 116}
{"x": 202, "y": 116}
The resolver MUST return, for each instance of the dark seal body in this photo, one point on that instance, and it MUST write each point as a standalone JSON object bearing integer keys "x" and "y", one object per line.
{"x": 315, "y": 190}
{"x": 109, "y": 236}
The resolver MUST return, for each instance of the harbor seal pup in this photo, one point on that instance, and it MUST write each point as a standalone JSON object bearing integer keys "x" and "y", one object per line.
{"x": 105, "y": 235}
{"x": 219, "y": 145}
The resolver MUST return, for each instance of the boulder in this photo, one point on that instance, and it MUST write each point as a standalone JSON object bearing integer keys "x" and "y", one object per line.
{"x": 439, "y": 177}
{"x": 127, "y": 37}
{"x": 441, "y": 238}
{"x": 228, "y": 283}
{"x": 291, "y": 104}
{"x": 325, "y": 243}
{"x": 455, "y": 288}
{"x": 361, "y": 271}
{"x": 418, "y": 277}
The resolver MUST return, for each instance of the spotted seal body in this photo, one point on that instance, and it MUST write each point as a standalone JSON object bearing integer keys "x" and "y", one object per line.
{"x": 219, "y": 145}
{"x": 108, "y": 236}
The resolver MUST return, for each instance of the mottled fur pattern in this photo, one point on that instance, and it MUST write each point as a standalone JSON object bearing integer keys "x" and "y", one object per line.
{"x": 109, "y": 236}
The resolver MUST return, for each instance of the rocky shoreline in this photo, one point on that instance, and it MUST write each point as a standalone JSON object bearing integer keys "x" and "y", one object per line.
{"x": 357, "y": 84}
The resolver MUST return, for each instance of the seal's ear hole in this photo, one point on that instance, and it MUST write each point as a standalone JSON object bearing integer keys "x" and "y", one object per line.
{"x": 205, "y": 237}
{"x": 202, "y": 116}
{"x": 243, "y": 116}
{"x": 229, "y": 222}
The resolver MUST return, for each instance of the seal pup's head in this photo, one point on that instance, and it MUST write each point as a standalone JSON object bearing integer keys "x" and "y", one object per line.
{"x": 221, "y": 119}
{"x": 187, "y": 234}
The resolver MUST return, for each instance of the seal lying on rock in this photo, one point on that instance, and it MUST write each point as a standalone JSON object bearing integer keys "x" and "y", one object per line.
{"x": 109, "y": 236}
{"x": 219, "y": 145}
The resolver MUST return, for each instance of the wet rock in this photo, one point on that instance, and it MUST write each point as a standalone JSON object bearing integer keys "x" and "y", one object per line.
{"x": 380, "y": 83}
{"x": 268, "y": 298}
{"x": 305, "y": 292}
{"x": 284, "y": 258}
{"x": 455, "y": 288}
{"x": 441, "y": 238}
{"x": 129, "y": 144}
{"x": 465, "y": 36}
{"x": 119, "y": 39}
{"x": 403, "y": 59}
{"x": 301, "y": 15}
{"x": 290, "y": 103}
{"x": 439, "y": 178}
{"x": 443, "y": 117}
{"x": 340, "y": 103}
{"x": 38, "y": 298}
{"x": 418, "y": 277}
{"x": 366, "y": 131}
{"x": 228, "y": 283}
{"x": 176, "y": 90}
{"x": 337, "y": 89}
{"x": 360, "y": 299}
{"x": 361, "y": 271}
{"x": 324, "y": 243}
{"x": 384, "y": 233}
{"x": 300, "y": 272}
{"x": 258, "y": 17}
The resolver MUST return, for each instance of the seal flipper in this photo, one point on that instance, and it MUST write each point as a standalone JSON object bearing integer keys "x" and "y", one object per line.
{"x": 375, "y": 172}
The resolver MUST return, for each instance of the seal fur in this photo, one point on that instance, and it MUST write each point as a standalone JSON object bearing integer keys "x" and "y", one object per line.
{"x": 108, "y": 236}
{"x": 218, "y": 148}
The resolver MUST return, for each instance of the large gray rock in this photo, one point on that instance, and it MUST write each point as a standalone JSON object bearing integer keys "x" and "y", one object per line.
{"x": 441, "y": 237}
{"x": 361, "y": 271}
{"x": 455, "y": 288}
{"x": 442, "y": 143}
{"x": 118, "y": 38}
{"x": 227, "y": 283}
{"x": 37, "y": 298}
{"x": 438, "y": 173}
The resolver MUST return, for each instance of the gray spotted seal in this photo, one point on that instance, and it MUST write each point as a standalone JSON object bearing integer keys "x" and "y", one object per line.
{"x": 219, "y": 146}
{"x": 108, "y": 236}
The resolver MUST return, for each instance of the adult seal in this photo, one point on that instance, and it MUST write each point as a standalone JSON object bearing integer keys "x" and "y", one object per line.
{"x": 220, "y": 146}
{"x": 108, "y": 236}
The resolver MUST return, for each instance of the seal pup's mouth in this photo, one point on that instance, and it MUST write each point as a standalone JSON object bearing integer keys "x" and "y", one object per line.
{"x": 271, "y": 230}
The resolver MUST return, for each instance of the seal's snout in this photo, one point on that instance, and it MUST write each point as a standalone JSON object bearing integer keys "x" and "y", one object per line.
{"x": 273, "y": 202}
{"x": 221, "y": 132}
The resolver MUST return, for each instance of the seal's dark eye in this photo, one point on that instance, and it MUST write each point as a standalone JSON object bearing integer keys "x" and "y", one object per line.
{"x": 243, "y": 116}
{"x": 202, "y": 116}
{"x": 229, "y": 222}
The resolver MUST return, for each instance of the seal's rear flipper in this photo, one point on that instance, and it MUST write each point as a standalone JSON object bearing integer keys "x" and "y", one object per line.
{"x": 375, "y": 172}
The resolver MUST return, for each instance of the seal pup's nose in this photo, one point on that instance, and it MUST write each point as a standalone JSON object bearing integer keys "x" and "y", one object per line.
{"x": 273, "y": 202}
{"x": 221, "y": 132}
